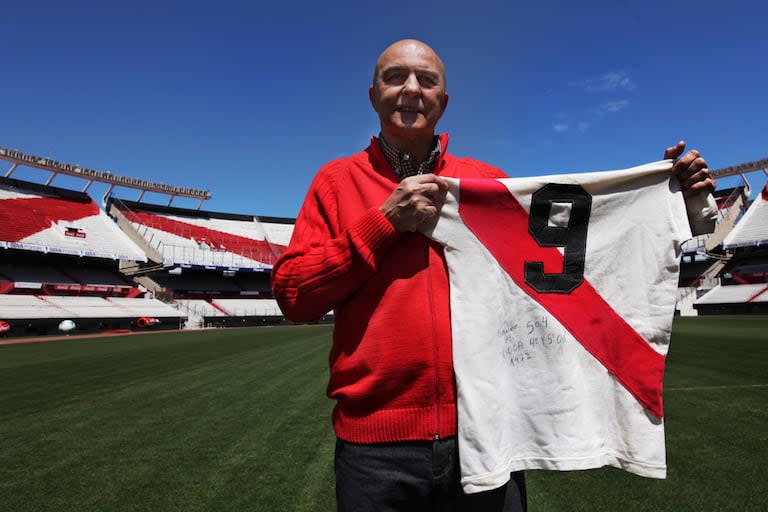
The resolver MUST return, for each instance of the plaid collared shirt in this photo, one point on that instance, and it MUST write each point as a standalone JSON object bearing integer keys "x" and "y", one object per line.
{"x": 403, "y": 164}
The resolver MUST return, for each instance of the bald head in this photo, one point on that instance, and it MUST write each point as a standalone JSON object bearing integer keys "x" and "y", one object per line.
{"x": 409, "y": 47}
{"x": 408, "y": 93}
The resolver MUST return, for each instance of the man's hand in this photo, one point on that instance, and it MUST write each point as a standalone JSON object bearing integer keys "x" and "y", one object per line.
{"x": 691, "y": 170}
{"x": 415, "y": 200}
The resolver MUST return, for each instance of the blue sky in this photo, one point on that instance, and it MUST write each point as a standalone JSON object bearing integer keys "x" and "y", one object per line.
{"x": 249, "y": 100}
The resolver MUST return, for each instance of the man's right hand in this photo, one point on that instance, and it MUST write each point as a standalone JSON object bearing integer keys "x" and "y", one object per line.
{"x": 415, "y": 200}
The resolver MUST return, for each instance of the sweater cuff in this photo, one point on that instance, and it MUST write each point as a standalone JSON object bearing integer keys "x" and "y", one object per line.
{"x": 372, "y": 235}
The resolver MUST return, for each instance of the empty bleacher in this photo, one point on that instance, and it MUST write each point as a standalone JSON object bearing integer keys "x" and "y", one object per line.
{"x": 53, "y": 220}
{"x": 277, "y": 230}
{"x": 734, "y": 299}
{"x": 195, "y": 282}
{"x": 220, "y": 312}
{"x": 61, "y": 274}
{"x": 254, "y": 283}
{"x": 200, "y": 308}
{"x": 752, "y": 229}
{"x": 16, "y": 307}
{"x": 59, "y": 306}
{"x": 735, "y": 254}
{"x": 249, "y": 307}
{"x": 95, "y": 276}
{"x": 39, "y": 274}
{"x": 205, "y": 239}
{"x": 145, "y": 307}
{"x": 65, "y": 258}
{"x": 84, "y": 307}
{"x": 212, "y": 265}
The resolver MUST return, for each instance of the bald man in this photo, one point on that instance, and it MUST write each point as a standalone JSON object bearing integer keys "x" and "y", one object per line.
{"x": 355, "y": 250}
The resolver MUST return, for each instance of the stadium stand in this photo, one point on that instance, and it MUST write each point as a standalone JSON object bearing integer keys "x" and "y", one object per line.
{"x": 195, "y": 238}
{"x": 95, "y": 276}
{"x": 198, "y": 258}
{"x": 730, "y": 204}
{"x": 29, "y": 314}
{"x": 250, "y": 312}
{"x": 753, "y": 228}
{"x": 747, "y": 270}
{"x": 219, "y": 312}
{"x": 112, "y": 307}
{"x": 21, "y": 273}
{"x": 277, "y": 230}
{"x": 727, "y": 272}
{"x": 61, "y": 274}
{"x": 705, "y": 260}
{"x": 735, "y": 299}
{"x": 199, "y": 308}
{"x": 145, "y": 307}
{"x": 60, "y": 261}
{"x": 249, "y": 307}
{"x": 54, "y": 220}
{"x": 254, "y": 283}
{"x": 189, "y": 283}
{"x": 27, "y": 307}
{"x": 195, "y": 282}
{"x": 64, "y": 258}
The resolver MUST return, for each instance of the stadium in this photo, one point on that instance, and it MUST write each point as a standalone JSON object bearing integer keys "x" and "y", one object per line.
{"x": 97, "y": 415}
{"x": 130, "y": 265}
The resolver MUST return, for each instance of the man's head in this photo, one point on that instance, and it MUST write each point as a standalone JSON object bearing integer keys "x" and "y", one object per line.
{"x": 408, "y": 91}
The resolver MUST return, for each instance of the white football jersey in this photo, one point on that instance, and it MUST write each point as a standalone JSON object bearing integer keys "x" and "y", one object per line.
{"x": 562, "y": 299}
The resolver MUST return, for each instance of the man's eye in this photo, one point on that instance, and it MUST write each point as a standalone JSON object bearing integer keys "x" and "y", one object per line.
{"x": 395, "y": 78}
{"x": 427, "y": 81}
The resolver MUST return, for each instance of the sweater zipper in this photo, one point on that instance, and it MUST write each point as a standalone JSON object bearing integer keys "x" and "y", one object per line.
{"x": 435, "y": 348}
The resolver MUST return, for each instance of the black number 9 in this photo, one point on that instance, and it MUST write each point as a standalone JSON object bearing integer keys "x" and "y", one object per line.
{"x": 573, "y": 237}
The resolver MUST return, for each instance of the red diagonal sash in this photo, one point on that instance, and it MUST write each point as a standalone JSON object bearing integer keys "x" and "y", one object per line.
{"x": 498, "y": 220}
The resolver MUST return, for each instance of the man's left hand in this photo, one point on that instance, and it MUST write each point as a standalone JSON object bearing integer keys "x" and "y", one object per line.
{"x": 691, "y": 170}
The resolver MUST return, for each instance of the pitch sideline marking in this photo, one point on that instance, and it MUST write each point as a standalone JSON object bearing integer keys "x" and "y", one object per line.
{"x": 705, "y": 388}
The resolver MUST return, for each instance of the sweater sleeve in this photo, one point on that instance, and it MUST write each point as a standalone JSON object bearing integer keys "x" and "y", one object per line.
{"x": 325, "y": 263}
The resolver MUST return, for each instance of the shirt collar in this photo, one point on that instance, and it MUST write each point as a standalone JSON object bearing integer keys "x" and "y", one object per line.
{"x": 402, "y": 163}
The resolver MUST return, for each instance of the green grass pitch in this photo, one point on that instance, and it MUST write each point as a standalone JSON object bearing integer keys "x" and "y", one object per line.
{"x": 237, "y": 420}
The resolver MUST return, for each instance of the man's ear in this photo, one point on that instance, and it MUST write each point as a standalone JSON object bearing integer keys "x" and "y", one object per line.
{"x": 444, "y": 103}
{"x": 372, "y": 96}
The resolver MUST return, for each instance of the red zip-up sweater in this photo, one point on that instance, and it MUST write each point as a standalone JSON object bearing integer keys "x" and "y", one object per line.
{"x": 391, "y": 368}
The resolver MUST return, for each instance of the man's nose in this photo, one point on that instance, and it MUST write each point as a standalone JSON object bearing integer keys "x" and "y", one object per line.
{"x": 411, "y": 85}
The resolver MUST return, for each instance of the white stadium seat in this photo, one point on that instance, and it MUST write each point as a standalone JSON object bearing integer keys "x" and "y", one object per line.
{"x": 51, "y": 220}
{"x": 752, "y": 229}
{"x": 735, "y": 294}
{"x": 249, "y": 307}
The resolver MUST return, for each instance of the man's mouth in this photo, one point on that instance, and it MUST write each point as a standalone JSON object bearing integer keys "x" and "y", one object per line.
{"x": 408, "y": 109}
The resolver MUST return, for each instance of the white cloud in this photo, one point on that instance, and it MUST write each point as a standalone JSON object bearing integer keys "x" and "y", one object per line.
{"x": 583, "y": 126}
{"x": 612, "y": 81}
{"x": 613, "y": 106}
{"x": 560, "y": 127}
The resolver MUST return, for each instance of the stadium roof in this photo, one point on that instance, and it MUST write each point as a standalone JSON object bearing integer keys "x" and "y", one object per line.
{"x": 733, "y": 170}
{"x": 90, "y": 175}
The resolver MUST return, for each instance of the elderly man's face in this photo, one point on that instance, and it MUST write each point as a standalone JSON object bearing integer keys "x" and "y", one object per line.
{"x": 409, "y": 90}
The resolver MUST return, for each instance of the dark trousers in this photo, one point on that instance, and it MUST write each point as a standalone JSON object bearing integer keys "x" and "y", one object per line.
{"x": 414, "y": 476}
